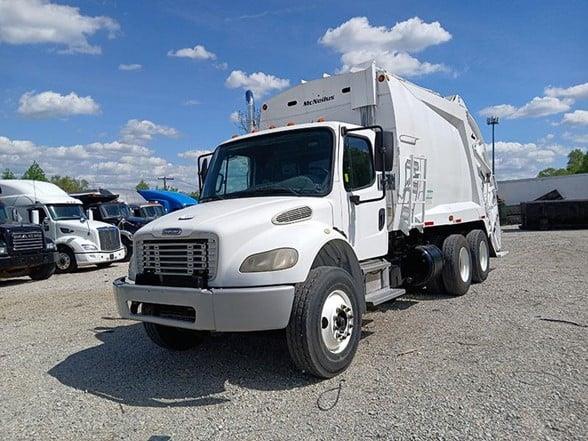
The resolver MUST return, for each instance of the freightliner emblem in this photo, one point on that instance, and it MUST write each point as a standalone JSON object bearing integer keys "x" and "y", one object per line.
{"x": 171, "y": 231}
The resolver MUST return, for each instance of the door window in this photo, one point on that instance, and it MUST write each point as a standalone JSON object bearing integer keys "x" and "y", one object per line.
{"x": 358, "y": 167}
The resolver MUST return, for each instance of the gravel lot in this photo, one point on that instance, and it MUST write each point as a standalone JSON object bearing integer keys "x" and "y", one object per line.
{"x": 492, "y": 364}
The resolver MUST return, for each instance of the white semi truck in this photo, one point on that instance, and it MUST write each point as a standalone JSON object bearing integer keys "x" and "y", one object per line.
{"x": 80, "y": 242}
{"x": 355, "y": 188}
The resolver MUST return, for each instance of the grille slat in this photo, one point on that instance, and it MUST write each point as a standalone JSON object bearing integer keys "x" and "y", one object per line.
{"x": 109, "y": 238}
{"x": 189, "y": 257}
{"x": 27, "y": 241}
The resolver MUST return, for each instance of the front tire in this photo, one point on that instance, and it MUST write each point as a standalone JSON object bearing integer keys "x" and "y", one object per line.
{"x": 325, "y": 323}
{"x": 480, "y": 252}
{"x": 43, "y": 272}
{"x": 66, "y": 260}
{"x": 169, "y": 337}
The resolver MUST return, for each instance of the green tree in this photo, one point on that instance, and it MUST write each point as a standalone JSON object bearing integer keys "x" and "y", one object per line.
{"x": 35, "y": 172}
{"x": 142, "y": 185}
{"x": 552, "y": 172}
{"x": 8, "y": 174}
{"x": 575, "y": 159}
{"x": 69, "y": 184}
{"x": 194, "y": 194}
{"x": 584, "y": 168}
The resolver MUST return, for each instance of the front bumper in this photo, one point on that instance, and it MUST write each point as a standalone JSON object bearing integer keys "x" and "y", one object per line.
{"x": 217, "y": 309}
{"x": 96, "y": 257}
{"x": 26, "y": 261}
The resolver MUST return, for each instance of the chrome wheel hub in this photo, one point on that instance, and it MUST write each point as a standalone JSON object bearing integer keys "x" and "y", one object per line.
{"x": 464, "y": 264}
{"x": 484, "y": 256}
{"x": 63, "y": 261}
{"x": 336, "y": 321}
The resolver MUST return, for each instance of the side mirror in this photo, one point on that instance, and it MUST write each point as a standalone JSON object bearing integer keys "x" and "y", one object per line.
{"x": 384, "y": 154}
{"x": 35, "y": 217}
{"x": 202, "y": 169}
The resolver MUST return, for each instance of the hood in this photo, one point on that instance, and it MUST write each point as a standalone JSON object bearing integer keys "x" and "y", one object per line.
{"x": 82, "y": 227}
{"x": 237, "y": 215}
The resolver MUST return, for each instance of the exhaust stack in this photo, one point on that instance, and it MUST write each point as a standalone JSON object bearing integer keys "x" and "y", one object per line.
{"x": 250, "y": 110}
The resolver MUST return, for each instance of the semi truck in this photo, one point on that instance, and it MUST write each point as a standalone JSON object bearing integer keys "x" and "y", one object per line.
{"x": 170, "y": 200}
{"x": 80, "y": 242}
{"x": 352, "y": 190}
{"x": 24, "y": 249}
{"x": 104, "y": 206}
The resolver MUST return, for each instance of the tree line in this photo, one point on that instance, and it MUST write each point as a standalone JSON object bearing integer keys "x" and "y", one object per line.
{"x": 577, "y": 163}
{"x": 35, "y": 172}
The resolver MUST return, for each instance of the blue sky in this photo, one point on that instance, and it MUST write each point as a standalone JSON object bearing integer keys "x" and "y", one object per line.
{"x": 124, "y": 125}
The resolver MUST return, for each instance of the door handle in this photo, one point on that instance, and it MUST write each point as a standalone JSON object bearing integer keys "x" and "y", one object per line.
{"x": 381, "y": 218}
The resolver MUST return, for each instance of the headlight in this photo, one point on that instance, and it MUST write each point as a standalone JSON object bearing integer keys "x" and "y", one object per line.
{"x": 3, "y": 248}
{"x": 274, "y": 260}
{"x": 89, "y": 247}
{"x": 50, "y": 246}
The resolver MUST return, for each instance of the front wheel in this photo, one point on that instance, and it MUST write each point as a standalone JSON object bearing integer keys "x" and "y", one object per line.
{"x": 169, "y": 337}
{"x": 325, "y": 323}
{"x": 66, "y": 260}
{"x": 43, "y": 272}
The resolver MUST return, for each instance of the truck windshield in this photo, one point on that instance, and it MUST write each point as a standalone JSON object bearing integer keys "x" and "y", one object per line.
{"x": 115, "y": 210}
{"x": 66, "y": 211}
{"x": 297, "y": 162}
{"x": 152, "y": 211}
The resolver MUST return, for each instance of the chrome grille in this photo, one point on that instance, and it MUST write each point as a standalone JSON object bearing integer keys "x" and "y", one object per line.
{"x": 178, "y": 257}
{"x": 109, "y": 238}
{"x": 27, "y": 241}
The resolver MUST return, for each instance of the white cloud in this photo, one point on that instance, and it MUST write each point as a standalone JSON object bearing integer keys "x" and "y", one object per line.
{"x": 50, "y": 104}
{"x": 197, "y": 52}
{"x": 193, "y": 154}
{"x": 101, "y": 164}
{"x": 40, "y": 21}
{"x": 360, "y": 43}
{"x": 142, "y": 131}
{"x": 537, "y": 107}
{"x": 578, "y": 91}
{"x": 577, "y": 117}
{"x": 259, "y": 83}
{"x": 580, "y": 138}
{"x": 130, "y": 67}
{"x": 516, "y": 160}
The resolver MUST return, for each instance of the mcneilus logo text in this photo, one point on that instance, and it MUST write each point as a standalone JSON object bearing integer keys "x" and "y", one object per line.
{"x": 319, "y": 100}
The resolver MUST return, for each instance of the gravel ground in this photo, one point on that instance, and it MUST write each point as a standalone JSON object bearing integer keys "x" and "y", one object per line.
{"x": 506, "y": 361}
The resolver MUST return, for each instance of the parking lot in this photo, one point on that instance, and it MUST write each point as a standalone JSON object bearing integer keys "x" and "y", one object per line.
{"x": 506, "y": 361}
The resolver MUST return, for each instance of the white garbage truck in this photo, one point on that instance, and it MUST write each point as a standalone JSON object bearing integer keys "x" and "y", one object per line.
{"x": 353, "y": 189}
{"x": 80, "y": 241}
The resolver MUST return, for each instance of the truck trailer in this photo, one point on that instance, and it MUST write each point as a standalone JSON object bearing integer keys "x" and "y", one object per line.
{"x": 80, "y": 242}
{"x": 353, "y": 189}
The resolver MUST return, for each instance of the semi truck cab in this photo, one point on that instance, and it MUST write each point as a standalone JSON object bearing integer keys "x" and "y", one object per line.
{"x": 24, "y": 249}
{"x": 80, "y": 242}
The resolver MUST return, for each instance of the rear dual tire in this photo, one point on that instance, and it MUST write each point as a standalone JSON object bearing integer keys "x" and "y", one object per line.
{"x": 456, "y": 276}
{"x": 480, "y": 251}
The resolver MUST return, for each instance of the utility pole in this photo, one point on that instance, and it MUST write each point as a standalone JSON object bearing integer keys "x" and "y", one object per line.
{"x": 165, "y": 179}
{"x": 492, "y": 121}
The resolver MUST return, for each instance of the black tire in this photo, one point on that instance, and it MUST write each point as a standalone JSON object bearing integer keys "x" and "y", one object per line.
{"x": 128, "y": 246}
{"x": 480, "y": 252}
{"x": 43, "y": 272}
{"x": 169, "y": 337}
{"x": 103, "y": 265}
{"x": 304, "y": 331}
{"x": 65, "y": 261}
{"x": 454, "y": 283}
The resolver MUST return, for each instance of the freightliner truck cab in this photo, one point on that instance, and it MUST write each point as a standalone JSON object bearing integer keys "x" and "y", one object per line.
{"x": 354, "y": 189}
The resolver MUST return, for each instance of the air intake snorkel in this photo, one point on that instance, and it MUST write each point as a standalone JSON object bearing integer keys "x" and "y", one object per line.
{"x": 250, "y": 110}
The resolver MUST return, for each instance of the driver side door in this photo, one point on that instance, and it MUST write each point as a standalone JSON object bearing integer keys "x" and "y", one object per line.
{"x": 367, "y": 230}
